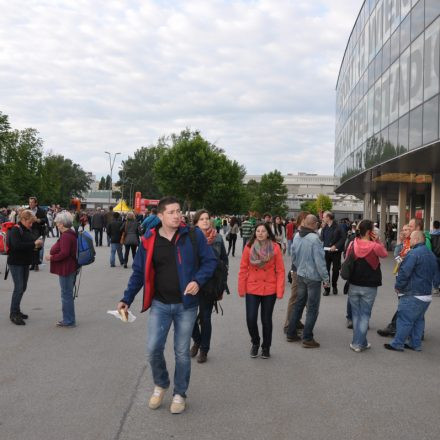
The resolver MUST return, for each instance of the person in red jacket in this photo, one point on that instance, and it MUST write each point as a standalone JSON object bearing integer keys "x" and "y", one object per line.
{"x": 64, "y": 264}
{"x": 261, "y": 280}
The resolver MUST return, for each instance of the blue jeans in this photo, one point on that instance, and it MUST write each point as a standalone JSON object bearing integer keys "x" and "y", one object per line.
{"x": 309, "y": 292}
{"x": 67, "y": 301}
{"x": 361, "y": 300}
{"x": 289, "y": 246}
{"x": 410, "y": 322}
{"x": 245, "y": 240}
{"x": 116, "y": 247}
{"x": 20, "y": 276}
{"x": 202, "y": 332}
{"x": 267, "y": 305}
{"x": 159, "y": 323}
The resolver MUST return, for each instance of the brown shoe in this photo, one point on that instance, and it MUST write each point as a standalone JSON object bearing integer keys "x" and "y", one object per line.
{"x": 311, "y": 344}
{"x": 194, "y": 350}
{"x": 203, "y": 357}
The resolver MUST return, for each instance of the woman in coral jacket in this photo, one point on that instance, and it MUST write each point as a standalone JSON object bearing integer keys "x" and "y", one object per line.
{"x": 261, "y": 280}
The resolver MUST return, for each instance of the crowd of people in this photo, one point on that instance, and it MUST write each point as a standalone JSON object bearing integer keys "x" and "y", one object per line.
{"x": 182, "y": 263}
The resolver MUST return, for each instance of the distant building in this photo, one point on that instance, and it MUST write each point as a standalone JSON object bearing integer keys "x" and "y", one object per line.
{"x": 303, "y": 187}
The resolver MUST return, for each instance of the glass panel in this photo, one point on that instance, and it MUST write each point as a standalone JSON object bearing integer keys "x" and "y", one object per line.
{"x": 393, "y": 133}
{"x": 405, "y": 7}
{"x": 416, "y": 84}
{"x": 370, "y": 111}
{"x": 430, "y": 120}
{"x": 371, "y": 74}
{"x": 403, "y": 132}
{"x": 386, "y": 55}
{"x": 387, "y": 19}
{"x": 385, "y": 98}
{"x": 404, "y": 82}
{"x": 394, "y": 91}
{"x": 417, "y": 19}
{"x": 395, "y": 14}
{"x": 432, "y": 51}
{"x": 395, "y": 45}
{"x": 377, "y": 106}
{"x": 378, "y": 66}
{"x": 372, "y": 37}
{"x": 405, "y": 33}
{"x": 379, "y": 24}
{"x": 432, "y": 10}
{"x": 415, "y": 128}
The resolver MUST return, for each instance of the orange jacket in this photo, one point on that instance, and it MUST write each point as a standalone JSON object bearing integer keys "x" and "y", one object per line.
{"x": 265, "y": 280}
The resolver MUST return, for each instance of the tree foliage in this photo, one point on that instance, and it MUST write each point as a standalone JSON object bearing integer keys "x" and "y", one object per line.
{"x": 315, "y": 207}
{"x": 140, "y": 170}
{"x": 271, "y": 195}
{"x": 200, "y": 174}
{"x": 26, "y": 171}
{"x": 101, "y": 185}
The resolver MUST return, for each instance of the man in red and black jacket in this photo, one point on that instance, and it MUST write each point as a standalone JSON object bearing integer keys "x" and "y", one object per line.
{"x": 171, "y": 265}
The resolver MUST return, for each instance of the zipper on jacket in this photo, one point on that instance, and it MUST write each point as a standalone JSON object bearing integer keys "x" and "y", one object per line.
{"x": 178, "y": 255}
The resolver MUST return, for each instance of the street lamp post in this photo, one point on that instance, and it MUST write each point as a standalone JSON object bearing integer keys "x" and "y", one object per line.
{"x": 112, "y": 162}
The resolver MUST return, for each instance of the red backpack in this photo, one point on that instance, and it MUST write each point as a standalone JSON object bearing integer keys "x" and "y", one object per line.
{"x": 4, "y": 245}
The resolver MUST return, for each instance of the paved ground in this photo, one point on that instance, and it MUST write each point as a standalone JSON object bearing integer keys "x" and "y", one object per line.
{"x": 92, "y": 382}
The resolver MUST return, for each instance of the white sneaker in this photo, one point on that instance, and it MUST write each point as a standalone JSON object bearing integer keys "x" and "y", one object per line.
{"x": 354, "y": 348}
{"x": 157, "y": 397}
{"x": 178, "y": 404}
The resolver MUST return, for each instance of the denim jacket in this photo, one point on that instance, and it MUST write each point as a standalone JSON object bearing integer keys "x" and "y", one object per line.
{"x": 308, "y": 256}
{"x": 418, "y": 271}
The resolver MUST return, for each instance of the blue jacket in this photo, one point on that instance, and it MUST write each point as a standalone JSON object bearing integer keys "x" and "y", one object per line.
{"x": 143, "y": 268}
{"x": 150, "y": 222}
{"x": 308, "y": 256}
{"x": 418, "y": 271}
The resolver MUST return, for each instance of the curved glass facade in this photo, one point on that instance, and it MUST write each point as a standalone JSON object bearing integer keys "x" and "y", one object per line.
{"x": 387, "y": 95}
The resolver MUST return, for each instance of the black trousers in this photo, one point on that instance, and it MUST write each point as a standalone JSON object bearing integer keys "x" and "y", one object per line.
{"x": 98, "y": 237}
{"x": 333, "y": 260}
{"x": 133, "y": 248}
{"x": 267, "y": 305}
{"x": 232, "y": 241}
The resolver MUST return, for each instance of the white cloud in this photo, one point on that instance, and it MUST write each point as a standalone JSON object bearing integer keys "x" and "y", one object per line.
{"x": 256, "y": 77}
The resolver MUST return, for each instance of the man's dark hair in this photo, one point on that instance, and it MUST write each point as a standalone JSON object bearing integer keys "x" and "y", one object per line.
{"x": 267, "y": 215}
{"x": 116, "y": 215}
{"x": 165, "y": 201}
{"x": 436, "y": 224}
{"x": 153, "y": 211}
{"x": 330, "y": 215}
{"x": 34, "y": 199}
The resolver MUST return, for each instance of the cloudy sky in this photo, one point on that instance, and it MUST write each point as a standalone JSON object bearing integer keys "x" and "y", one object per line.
{"x": 257, "y": 77}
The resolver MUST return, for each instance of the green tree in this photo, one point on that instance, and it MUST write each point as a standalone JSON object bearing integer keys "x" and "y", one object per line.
{"x": 102, "y": 185}
{"x": 323, "y": 203}
{"x": 309, "y": 206}
{"x": 7, "y": 193}
{"x": 140, "y": 170}
{"x": 61, "y": 179}
{"x": 272, "y": 195}
{"x": 108, "y": 182}
{"x": 249, "y": 198}
{"x": 188, "y": 168}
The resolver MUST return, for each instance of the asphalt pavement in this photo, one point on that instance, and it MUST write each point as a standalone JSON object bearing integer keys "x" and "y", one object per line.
{"x": 93, "y": 381}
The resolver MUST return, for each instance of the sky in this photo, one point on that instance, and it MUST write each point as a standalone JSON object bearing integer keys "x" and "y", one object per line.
{"x": 256, "y": 77}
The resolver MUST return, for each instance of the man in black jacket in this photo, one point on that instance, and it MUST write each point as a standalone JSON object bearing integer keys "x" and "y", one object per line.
{"x": 115, "y": 233}
{"x": 333, "y": 237}
{"x": 39, "y": 230}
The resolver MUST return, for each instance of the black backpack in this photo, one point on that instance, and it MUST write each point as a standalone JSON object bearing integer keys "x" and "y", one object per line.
{"x": 214, "y": 288}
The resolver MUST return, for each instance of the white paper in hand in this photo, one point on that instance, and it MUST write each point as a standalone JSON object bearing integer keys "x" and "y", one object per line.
{"x": 116, "y": 314}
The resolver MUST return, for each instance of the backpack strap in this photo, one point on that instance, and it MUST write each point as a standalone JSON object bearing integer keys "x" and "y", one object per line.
{"x": 193, "y": 238}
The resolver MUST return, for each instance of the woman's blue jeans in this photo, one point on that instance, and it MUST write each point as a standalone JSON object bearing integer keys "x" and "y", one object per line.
{"x": 67, "y": 302}
{"x": 361, "y": 300}
{"x": 20, "y": 276}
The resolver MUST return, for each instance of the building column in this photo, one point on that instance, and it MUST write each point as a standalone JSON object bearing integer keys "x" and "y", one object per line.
{"x": 402, "y": 207}
{"x": 383, "y": 216}
{"x": 368, "y": 203}
{"x": 435, "y": 199}
{"x": 412, "y": 206}
{"x": 427, "y": 213}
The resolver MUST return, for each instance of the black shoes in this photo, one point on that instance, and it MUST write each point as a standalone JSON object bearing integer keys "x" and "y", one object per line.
{"x": 326, "y": 291}
{"x": 17, "y": 319}
{"x": 293, "y": 338}
{"x": 254, "y": 351}
{"x": 265, "y": 353}
{"x": 24, "y": 316}
{"x": 202, "y": 358}
{"x": 390, "y": 347}
{"x": 387, "y": 332}
{"x": 335, "y": 290}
